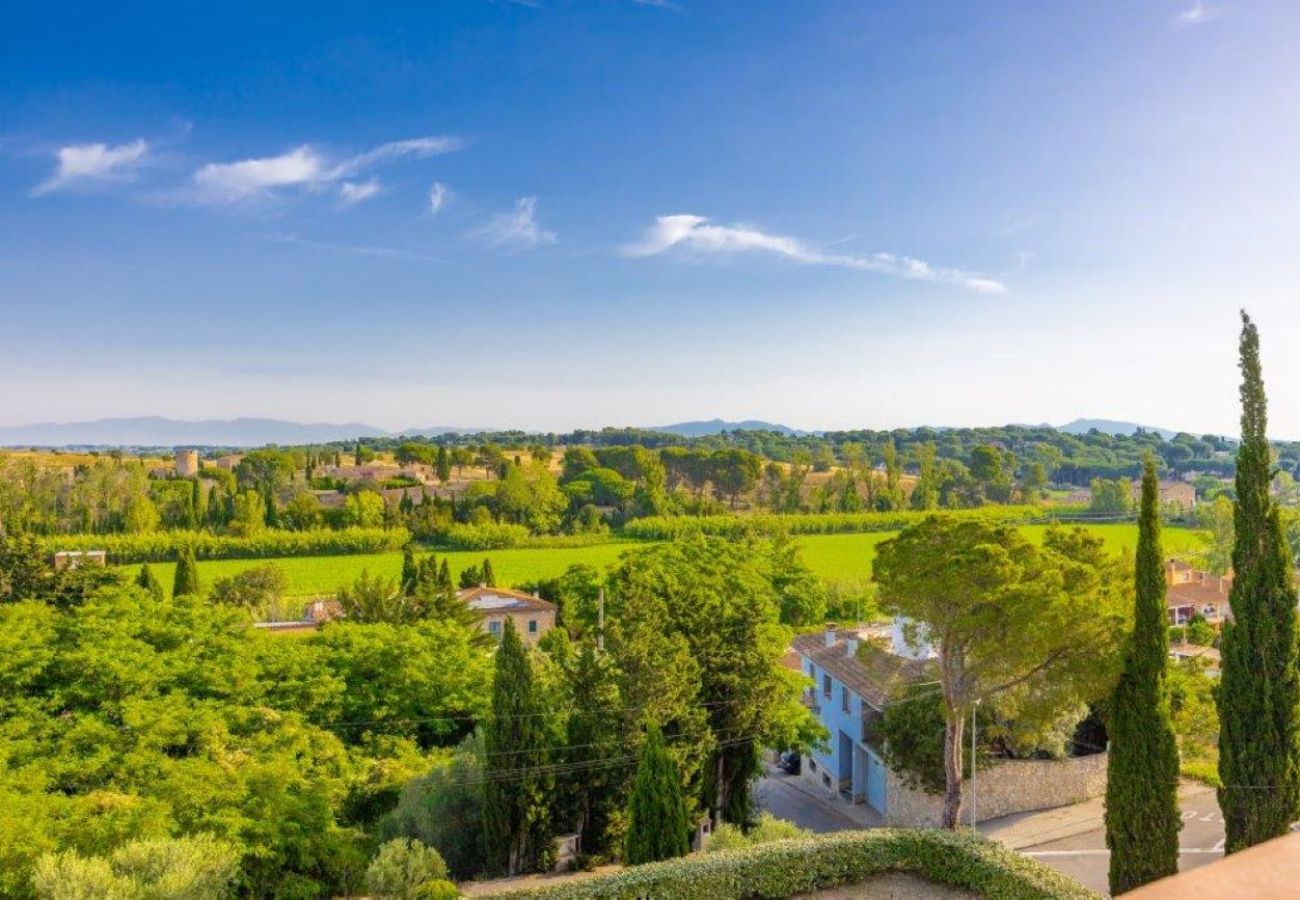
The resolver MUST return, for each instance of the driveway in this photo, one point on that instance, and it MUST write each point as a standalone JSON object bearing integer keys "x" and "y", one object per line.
{"x": 787, "y": 797}
{"x": 1085, "y": 857}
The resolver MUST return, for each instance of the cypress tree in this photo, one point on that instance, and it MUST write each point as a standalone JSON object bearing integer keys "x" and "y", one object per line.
{"x": 517, "y": 797}
{"x": 657, "y": 823}
{"x": 489, "y": 577}
{"x": 149, "y": 581}
{"x": 1258, "y": 691}
{"x": 197, "y": 501}
{"x": 187, "y": 574}
{"x": 595, "y": 795}
{"x": 410, "y": 572}
{"x": 444, "y": 575}
{"x": 1142, "y": 820}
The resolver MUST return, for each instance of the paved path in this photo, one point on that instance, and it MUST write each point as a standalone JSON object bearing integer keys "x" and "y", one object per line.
{"x": 1085, "y": 857}
{"x": 791, "y": 798}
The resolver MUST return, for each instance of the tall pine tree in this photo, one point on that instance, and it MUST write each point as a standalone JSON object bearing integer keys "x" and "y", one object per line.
{"x": 186, "y": 580}
{"x": 593, "y": 732}
{"x": 657, "y": 823}
{"x": 517, "y": 791}
{"x": 1142, "y": 820}
{"x": 149, "y": 581}
{"x": 489, "y": 577}
{"x": 1259, "y": 762}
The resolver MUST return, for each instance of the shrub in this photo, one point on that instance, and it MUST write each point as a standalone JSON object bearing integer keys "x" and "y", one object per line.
{"x": 165, "y": 545}
{"x": 788, "y": 868}
{"x": 402, "y": 867}
{"x": 664, "y": 528}
{"x": 194, "y": 868}
{"x": 444, "y": 810}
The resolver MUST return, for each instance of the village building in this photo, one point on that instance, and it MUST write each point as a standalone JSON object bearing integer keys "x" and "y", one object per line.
{"x": 187, "y": 462}
{"x": 1179, "y": 494}
{"x": 71, "y": 559}
{"x": 854, "y": 680}
{"x": 531, "y": 615}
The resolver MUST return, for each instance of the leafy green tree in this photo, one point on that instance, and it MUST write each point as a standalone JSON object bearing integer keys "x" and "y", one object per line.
{"x": 24, "y": 573}
{"x": 258, "y": 589}
{"x": 698, "y": 629}
{"x": 1216, "y": 519}
{"x": 193, "y": 868}
{"x": 658, "y": 827}
{"x": 1259, "y": 695}
{"x": 403, "y": 867}
{"x": 1142, "y": 820}
{"x": 489, "y": 576}
{"x": 926, "y": 493}
{"x": 444, "y": 809}
{"x": 410, "y": 571}
{"x": 147, "y": 580}
{"x": 518, "y": 790}
{"x": 593, "y": 732}
{"x": 249, "y": 516}
{"x": 185, "y": 582}
{"x": 1110, "y": 496}
{"x": 1002, "y": 615}
{"x": 373, "y": 600}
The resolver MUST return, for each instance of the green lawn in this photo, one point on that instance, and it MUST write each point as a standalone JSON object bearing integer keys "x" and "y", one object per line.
{"x": 835, "y": 557}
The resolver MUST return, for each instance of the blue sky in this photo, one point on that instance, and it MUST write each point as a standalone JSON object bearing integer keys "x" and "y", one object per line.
{"x": 566, "y": 214}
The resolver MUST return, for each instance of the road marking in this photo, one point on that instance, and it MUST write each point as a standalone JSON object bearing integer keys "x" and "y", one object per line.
{"x": 1051, "y": 853}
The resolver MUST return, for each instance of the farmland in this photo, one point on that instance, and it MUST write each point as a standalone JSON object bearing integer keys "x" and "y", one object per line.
{"x": 834, "y": 557}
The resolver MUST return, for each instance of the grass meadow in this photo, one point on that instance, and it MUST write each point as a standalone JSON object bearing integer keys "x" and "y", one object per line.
{"x": 834, "y": 557}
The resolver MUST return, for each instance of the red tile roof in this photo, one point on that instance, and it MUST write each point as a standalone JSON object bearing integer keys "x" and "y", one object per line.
{"x": 492, "y": 599}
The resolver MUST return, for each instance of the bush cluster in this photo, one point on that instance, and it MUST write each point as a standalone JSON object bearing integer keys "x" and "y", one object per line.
{"x": 494, "y": 536}
{"x": 165, "y": 545}
{"x": 787, "y": 868}
{"x": 665, "y": 528}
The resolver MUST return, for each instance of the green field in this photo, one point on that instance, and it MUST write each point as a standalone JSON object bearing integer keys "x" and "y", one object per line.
{"x": 835, "y": 557}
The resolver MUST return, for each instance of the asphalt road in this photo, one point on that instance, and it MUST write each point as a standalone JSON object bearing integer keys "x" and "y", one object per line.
{"x": 1085, "y": 856}
{"x": 777, "y": 794}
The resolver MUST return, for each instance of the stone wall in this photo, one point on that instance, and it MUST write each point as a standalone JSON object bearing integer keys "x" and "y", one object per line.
{"x": 1014, "y": 786}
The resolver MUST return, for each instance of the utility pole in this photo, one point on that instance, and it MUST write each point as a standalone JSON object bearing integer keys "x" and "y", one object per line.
{"x": 973, "y": 792}
{"x": 600, "y": 621}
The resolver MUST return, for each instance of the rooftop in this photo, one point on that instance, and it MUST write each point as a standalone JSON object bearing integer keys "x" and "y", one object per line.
{"x": 871, "y": 672}
{"x": 493, "y": 599}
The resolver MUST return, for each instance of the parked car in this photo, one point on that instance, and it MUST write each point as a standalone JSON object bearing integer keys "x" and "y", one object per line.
{"x": 789, "y": 761}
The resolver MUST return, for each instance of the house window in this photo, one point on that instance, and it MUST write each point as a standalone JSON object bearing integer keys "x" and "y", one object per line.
{"x": 812, "y": 764}
{"x": 844, "y": 699}
{"x": 494, "y": 628}
{"x": 532, "y": 626}
{"x": 826, "y": 686}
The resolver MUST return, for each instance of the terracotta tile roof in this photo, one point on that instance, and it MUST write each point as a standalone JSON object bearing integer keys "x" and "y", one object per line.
{"x": 492, "y": 599}
{"x": 1196, "y": 593}
{"x": 873, "y": 674}
{"x": 1195, "y": 651}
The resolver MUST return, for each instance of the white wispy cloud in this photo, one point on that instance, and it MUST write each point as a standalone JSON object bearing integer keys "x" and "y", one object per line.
{"x": 94, "y": 162}
{"x": 1199, "y": 13}
{"x": 305, "y": 167}
{"x": 698, "y": 236}
{"x": 354, "y": 192}
{"x": 519, "y": 227}
{"x": 439, "y": 196}
{"x": 350, "y": 249}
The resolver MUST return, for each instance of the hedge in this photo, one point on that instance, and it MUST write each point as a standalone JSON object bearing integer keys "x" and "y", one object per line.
{"x": 163, "y": 545}
{"x": 493, "y": 536}
{"x": 662, "y": 528}
{"x": 787, "y": 868}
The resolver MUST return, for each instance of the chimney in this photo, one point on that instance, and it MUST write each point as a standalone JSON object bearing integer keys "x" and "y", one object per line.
{"x": 830, "y": 634}
{"x": 851, "y": 647}
{"x": 482, "y": 584}
{"x": 536, "y": 595}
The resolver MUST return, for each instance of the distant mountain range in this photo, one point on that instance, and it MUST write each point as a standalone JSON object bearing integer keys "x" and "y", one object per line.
{"x": 1111, "y": 426}
{"x": 717, "y": 426}
{"x": 157, "y": 431}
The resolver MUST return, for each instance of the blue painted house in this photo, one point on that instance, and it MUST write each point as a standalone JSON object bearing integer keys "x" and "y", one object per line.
{"x": 852, "y": 683}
